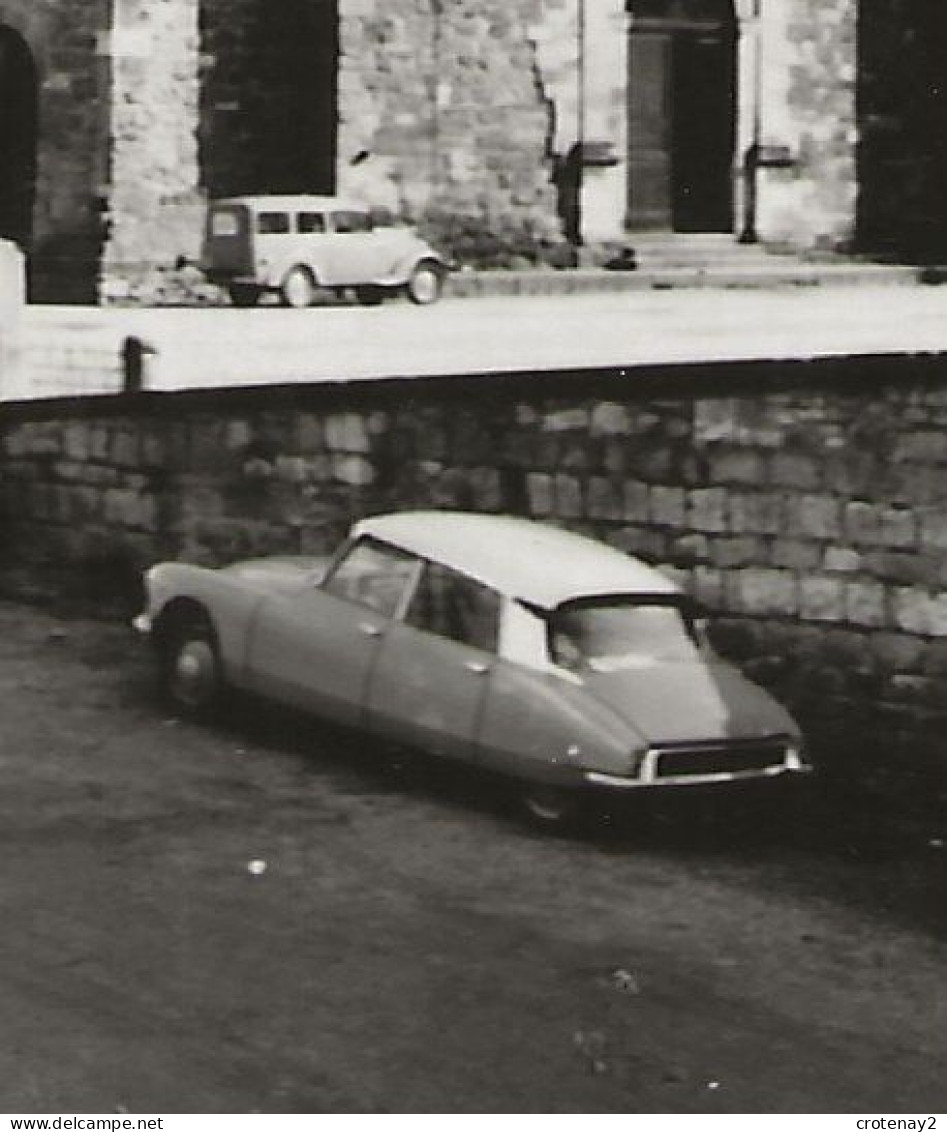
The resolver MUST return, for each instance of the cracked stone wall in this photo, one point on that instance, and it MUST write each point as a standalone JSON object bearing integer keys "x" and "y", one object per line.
{"x": 444, "y": 104}
{"x": 806, "y": 506}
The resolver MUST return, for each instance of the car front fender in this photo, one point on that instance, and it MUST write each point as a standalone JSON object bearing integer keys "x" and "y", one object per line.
{"x": 228, "y": 601}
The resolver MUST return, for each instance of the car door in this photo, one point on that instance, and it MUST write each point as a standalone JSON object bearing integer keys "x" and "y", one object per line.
{"x": 314, "y": 649}
{"x": 430, "y": 679}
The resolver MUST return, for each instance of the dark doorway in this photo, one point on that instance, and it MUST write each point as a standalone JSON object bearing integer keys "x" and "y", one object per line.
{"x": 681, "y": 115}
{"x": 269, "y": 101}
{"x": 18, "y": 127}
{"x": 902, "y": 118}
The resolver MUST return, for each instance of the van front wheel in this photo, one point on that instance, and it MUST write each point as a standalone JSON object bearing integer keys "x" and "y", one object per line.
{"x": 298, "y": 289}
{"x": 425, "y": 284}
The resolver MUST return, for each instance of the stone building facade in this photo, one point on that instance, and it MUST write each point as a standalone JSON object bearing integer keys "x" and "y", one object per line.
{"x": 510, "y": 129}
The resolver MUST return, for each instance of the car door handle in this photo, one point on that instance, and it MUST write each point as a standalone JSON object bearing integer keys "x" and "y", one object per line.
{"x": 369, "y": 630}
{"x": 477, "y": 667}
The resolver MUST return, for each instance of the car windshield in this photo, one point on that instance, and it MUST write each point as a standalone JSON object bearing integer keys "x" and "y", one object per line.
{"x": 613, "y": 633}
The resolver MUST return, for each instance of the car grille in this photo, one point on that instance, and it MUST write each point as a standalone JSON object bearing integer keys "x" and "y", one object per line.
{"x": 719, "y": 758}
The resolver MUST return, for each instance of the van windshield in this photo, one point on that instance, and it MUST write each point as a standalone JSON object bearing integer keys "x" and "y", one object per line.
{"x": 604, "y": 635}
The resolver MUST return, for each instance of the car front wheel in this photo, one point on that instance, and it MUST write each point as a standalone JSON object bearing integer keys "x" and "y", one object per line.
{"x": 190, "y": 669}
{"x": 425, "y": 284}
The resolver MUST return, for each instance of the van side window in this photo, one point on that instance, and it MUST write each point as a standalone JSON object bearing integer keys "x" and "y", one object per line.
{"x": 309, "y": 222}
{"x": 351, "y": 222}
{"x": 272, "y": 223}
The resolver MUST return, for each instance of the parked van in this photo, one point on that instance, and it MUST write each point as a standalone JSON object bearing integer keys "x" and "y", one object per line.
{"x": 295, "y": 245}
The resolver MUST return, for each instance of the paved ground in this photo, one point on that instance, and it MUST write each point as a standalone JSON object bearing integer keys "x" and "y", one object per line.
{"x": 405, "y": 945}
{"x": 69, "y": 348}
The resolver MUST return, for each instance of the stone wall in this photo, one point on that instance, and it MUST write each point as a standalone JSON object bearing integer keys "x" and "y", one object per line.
{"x": 154, "y": 210}
{"x": 444, "y": 104}
{"x": 805, "y": 504}
{"x": 808, "y": 77}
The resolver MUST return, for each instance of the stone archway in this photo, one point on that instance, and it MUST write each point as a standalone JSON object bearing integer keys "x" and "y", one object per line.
{"x": 682, "y": 99}
{"x": 18, "y": 137}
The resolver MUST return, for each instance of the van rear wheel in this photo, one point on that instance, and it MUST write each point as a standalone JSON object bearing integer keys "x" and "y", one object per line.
{"x": 298, "y": 288}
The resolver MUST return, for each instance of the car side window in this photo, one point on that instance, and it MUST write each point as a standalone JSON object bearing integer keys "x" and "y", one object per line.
{"x": 349, "y": 221}
{"x": 456, "y": 607}
{"x": 373, "y": 575}
{"x": 272, "y": 223}
{"x": 310, "y": 222}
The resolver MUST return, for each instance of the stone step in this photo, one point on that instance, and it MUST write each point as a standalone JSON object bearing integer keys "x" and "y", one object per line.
{"x": 709, "y": 251}
{"x": 771, "y": 271}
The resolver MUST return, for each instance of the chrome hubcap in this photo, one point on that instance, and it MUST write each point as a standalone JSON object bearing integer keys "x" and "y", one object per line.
{"x": 194, "y": 672}
{"x": 298, "y": 290}
{"x": 424, "y": 286}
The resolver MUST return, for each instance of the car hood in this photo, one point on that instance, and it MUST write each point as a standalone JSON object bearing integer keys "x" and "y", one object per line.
{"x": 280, "y": 573}
{"x": 685, "y": 702}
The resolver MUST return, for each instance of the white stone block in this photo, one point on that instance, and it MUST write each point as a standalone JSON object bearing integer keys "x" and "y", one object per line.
{"x": 12, "y": 302}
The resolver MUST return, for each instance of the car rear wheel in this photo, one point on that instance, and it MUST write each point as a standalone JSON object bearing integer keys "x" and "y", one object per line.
{"x": 298, "y": 288}
{"x": 425, "y": 284}
{"x": 243, "y": 294}
{"x": 550, "y": 807}
{"x": 190, "y": 670}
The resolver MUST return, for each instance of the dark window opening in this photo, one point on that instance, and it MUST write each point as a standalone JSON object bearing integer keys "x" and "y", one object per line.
{"x": 269, "y": 97}
{"x": 902, "y": 128}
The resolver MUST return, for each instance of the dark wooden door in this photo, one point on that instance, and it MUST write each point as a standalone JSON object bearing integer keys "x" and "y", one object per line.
{"x": 702, "y": 141}
{"x": 649, "y": 130}
{"x": 681, "y": 115}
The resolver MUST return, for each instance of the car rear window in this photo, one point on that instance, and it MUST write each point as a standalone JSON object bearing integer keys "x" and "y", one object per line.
{"x": 606, "y": 635}
{"x": 272, "y": 223}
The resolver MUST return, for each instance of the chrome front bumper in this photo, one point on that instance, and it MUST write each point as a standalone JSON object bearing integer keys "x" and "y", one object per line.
{"x": 649, "y": 778}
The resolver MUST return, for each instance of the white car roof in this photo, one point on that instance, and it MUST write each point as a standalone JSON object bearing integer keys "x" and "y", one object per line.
{"x": 537, "y": 563}
{"x": 286, "y": 202}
